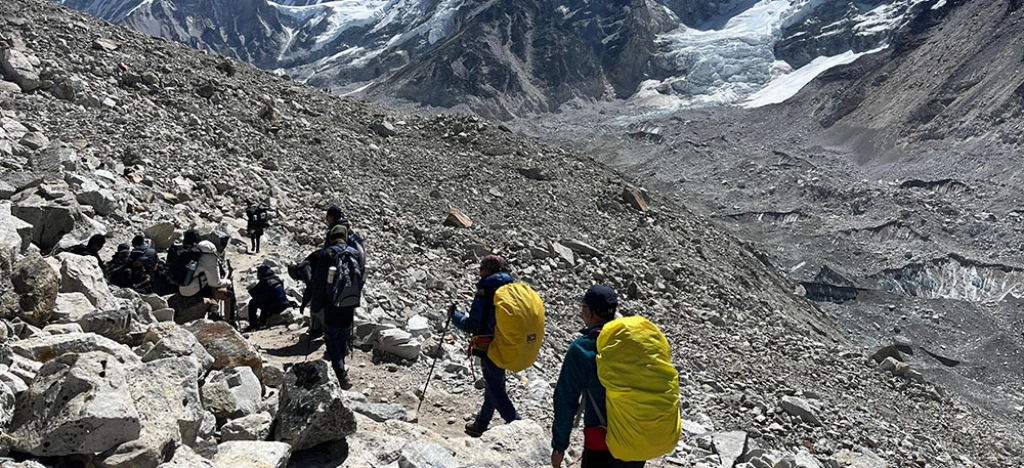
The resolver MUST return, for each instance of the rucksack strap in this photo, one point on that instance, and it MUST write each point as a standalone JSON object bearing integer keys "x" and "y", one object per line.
{"x": 600, "y": 414}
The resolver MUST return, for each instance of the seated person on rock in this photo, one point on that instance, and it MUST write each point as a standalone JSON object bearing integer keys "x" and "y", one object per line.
{"x": 268, "y": 297}
{"x": 91, "y": 248}
{"x": 149, "y": 256}
{"x": 119, "y": 272}
{"x": 210, "y": 280}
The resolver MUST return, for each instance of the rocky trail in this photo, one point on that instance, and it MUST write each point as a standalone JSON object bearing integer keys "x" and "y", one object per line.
{"x": 107, "y": 131}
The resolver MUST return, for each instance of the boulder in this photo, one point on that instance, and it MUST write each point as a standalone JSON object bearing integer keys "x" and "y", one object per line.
{"x": 166, "y": 394}
{"x": 162, "y": 234}
{"x": 18, "y": 68}
{"x": 102, "y": 200}
{"x": 185, "y": 457}
{"x": 457, "y": 218}
{"x": 82, "y": 274}
{"x": 78, "y": 404}
{"x": 48, "y": 347}
{"x": 252, "y": 454}
{"x": 418, "y": 326}
{"x": 252, "y": 427}
{"x": 311, "y": 408}
{"x": 37, "y": 285}
{"x": 71, "y": 307}
{"x": 62, "y": 328}
{"x": 228, "y": 347}
{"x": 7, "y": 404}
{"x": 20, "y": 369}
{"x": 13, "y": 382}
{"x": 170, "y": 340}
{"x": 189, "y": 309}
{"x": 383, "y": 128}
{"x": 22, "y": 180}
{"x": 10, "y": 240}
{"x": 582, "y": 248}
{"x": 34, "y": 141}
{"x": 420, "y": 454}
{"x": 6, "y": 190}
{"x": 115, "y": 324}
{"x": 397, "y": 342}
{"x": 801, "y": 408}
{"x": 381, "y": 412}
{"x": 730, "y": 446}
{"x": 232, "y": 393}
{"x": 634, "y": 198}
{"x": 50, "y": 221}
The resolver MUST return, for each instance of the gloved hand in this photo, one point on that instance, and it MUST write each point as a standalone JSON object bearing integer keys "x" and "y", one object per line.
{"x": 451, "y": 311}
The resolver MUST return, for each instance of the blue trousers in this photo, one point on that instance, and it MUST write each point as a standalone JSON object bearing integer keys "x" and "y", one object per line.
{"x": 495, "y": 396}
{"x": 336, "y": 340}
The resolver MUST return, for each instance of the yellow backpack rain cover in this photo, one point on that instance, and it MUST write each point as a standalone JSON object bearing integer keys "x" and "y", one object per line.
{"x": 642, "y": 389}
{"x": 519, "y": 329}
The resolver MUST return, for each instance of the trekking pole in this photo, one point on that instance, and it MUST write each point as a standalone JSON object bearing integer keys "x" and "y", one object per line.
{"x": 423, "y": 394}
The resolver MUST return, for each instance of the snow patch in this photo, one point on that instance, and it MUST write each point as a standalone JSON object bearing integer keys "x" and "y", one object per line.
{"x": 786, "y": 86}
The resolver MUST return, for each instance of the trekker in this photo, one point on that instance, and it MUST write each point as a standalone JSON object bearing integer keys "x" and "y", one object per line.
{"x": 268, "y": 298}
{"x": 481, "y": 321}
{"x": 141, "y": 279}
{"x": 209, "y": 279}
{"x": 119, "y": 272}
{"x": 91, "y": 248}
{"x": 256, "y": 222}
{"x": 303, "y": 272}
{"x": 337, "y": 321}
{"x": 148, "y": 257}
{"x": 578, "y": 380}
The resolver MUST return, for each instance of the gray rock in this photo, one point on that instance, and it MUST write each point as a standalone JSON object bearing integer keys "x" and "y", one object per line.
{"x": 380, "y": 412}
{"x": 13, "y": 382}
{"x": 252, "y": 427}
{"x": 115, "y": 324}
{"x": 582, "y": 248}
{"x": 800, "y": 408}
{"x": 62, "y": 328}
{"x": 312, "y": 411}
{"x": 50, "y": 222}
{"x": 71, "y": 307}
{"x": 418, "y": 326}
{"x": 188, "y": 309}
{"x": 162, "y": 234}
{"x": 10, "y": 240}
{"x": 18, "y": 68}
{"x": 34, "y": 141}
{"x": 170, "y": 340}
{"x": 253, "y": 454}
{"x": 893, "y": 366}
{"x": 419, "y": 454}
{"x": 21, "y": 180}
{"x": 185, "y": 457}
{"x": 78, "y": 404}
{"x": 103, "y": 201}
{"x": 397, "y": 342}
{"x": 166, "y": 394}
{"x": 37, "y": 286}
{"x": 82, "y": 274}
{"x": 228, "y": 347}
{"x": 154, "y": 301}
{"x": 564, "y": 253}
{"x": 7, "y": 404}
{"x": 19, "y": 368}
{"x": 730, "y": 446}
{"x": 47, "y": 347}
{"x": 273, "y": 376}
{"x": 521, "y": 444}
{"x": 232, "y": 393}
{"x": 383, "y": 128}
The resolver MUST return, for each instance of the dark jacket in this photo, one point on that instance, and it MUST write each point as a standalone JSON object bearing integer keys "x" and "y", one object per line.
{"x": 269, "y": 294}
{"x": 83, "y": 250}
{"x": 334, "y": 317}
{"x": 481, "y": 319}
{"x": 149, "y": 257}
{"x": 577, "y": 379}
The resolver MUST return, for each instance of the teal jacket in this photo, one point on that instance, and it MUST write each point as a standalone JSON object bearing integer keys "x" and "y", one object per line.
{"x": 578, "y": 377}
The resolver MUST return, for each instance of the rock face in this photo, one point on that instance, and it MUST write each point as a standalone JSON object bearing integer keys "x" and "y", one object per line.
{"x": 78, "y": 404}
{"x": 312, "y": 411}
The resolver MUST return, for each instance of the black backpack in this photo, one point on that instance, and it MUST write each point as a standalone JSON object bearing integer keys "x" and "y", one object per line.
{"x": 181, "y": 264}
{"x": 348, "y": 280}
{"x": 257, "y": 217}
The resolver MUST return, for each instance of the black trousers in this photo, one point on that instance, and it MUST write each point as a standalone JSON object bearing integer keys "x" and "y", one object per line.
{"x": 604, "y": 459}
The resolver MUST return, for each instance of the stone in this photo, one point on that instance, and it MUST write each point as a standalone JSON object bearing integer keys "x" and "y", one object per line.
{"x": 34, "y": 141}
{"x": 232, "y": 393}
{"x": 166, "y": 396}
{"x": 10, "y": 240}
{"x": 419, "y": 454}
{"x": 62, "y": 328}
{"x": 164, "y": 315}
{"x": 162, "y": 234}
{"x": 893, "y": 366}
{"x": 189, "y": 309}
{"x": 103, "y": 201}
{"x": 381, "y": 412}
{"x": 383, "y": 128}
{"x": 105, "y": 44}
{"x": 114, "y": 323}
{"x": 48, "y": 347}
{"x": 311, "y": 408}
{"x": 170, "y": 340}
{"x": 582, "y": 248}
{"x": 252, "y": 427}
{"x": 9, "y": 87}
{"x": 252, "y": 454}
{"x": 78, "y": 404}
{"x": 81, "y": 274}
{"x": 635, "y": 198}
{"x": 418, "y": 326}
{"x": 886, "y": 352}
{"x": 228, "y": 347}
{"x": 37, "y": 286}
{"x": 520, "y": 444}
{"x": 71, "y": 307}
{"x": 18, "y": 68}
{"x": 801, "y": 408}
{"x": 397, "y": 342}
{"x": 185, "y": 457}
{"x": 564, "y": 253}
{"x": 50, "y": 222}
{"x": 730, "y": 446}
{"x": 7, "y": 404}
{"x": 862, "y": 457}
{"x": 458, "y": 219}
{"x": 22, "y": 180}
{"x": 15, "y": 383}
{"x": 273, "y": 376}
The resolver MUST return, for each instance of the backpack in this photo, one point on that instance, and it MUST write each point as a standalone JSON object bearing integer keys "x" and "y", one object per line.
{"x": 181, "y": 264}
{"x": 355, "y": 242}
{"x": 347, "y": 288}
{"x": 634, "y": 365}
{"x": 519, "y": 327}
{"x": 257, "y": 217}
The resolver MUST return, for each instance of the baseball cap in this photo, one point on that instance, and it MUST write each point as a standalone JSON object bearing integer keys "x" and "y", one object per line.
{"x": 600, "y": 298}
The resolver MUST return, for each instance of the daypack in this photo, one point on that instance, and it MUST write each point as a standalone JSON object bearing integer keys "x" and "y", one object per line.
{"x": 519, "y": 327}
{"x": 257, "y": 217}
{"x": 634, "y": 365}
{"x": 181, "y": 264}
{"x": 347, "y": 287}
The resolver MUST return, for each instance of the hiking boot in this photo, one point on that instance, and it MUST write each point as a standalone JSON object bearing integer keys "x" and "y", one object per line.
{"x": 473, "y": 431}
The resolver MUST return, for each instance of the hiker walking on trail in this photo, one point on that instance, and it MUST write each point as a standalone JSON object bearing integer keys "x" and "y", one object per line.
{"x": 257, "y": 222}
{"x": 481, "y": 321}
{"x": 621, "y": 371}
{"x": 336, "y": 291}
{"x": 268, "y": 298}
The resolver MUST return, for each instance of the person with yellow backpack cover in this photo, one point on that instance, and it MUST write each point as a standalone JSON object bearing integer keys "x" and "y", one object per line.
{"x": 621, "y": 371}
{"x": 506, "y": 321}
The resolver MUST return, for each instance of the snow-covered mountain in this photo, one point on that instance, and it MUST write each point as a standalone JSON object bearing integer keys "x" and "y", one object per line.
{"x": 517, "y": 56}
